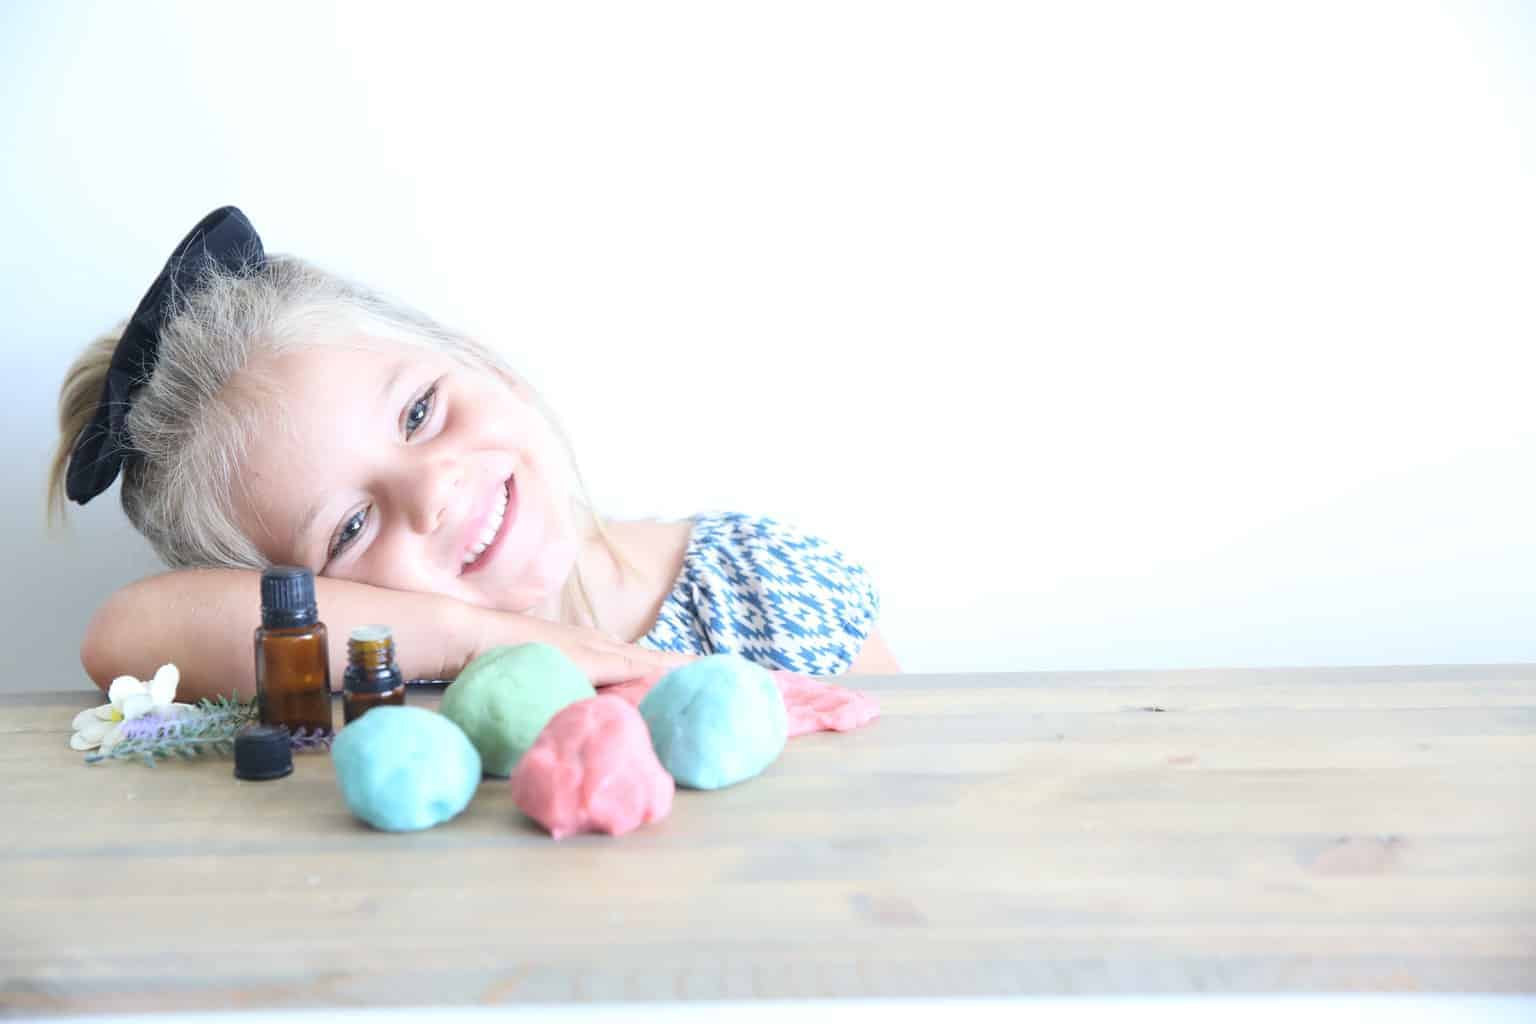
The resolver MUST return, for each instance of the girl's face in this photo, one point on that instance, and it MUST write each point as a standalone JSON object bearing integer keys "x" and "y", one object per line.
{"x": 406, "y": 469}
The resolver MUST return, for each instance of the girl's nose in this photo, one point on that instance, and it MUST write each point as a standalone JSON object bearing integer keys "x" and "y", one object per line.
{"x": 433, "y": 493}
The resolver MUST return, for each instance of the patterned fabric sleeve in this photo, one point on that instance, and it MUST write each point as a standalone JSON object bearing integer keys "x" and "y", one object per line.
{"x": 775, "y": 595}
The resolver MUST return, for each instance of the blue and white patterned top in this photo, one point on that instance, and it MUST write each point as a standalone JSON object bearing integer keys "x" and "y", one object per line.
{"x": 756, "y": 587}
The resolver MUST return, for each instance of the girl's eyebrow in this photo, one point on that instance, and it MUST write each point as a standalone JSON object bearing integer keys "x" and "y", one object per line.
{"x": 305, "y": 525}
{"x": 392, "y": 379}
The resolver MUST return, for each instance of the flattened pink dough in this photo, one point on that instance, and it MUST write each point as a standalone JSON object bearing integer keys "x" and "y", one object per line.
{"x": 813, "y": 705}
{"x": 592, "y": 769}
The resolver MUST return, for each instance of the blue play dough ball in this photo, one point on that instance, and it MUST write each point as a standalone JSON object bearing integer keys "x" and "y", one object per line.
{"x": 405, "y": 768}
{"x": 716, "y": 721}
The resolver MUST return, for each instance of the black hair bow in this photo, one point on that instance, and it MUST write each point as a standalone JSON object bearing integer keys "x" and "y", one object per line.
{"x": 223, "y": 238}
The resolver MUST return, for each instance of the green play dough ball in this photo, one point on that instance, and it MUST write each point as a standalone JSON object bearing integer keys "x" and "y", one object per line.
{"x": 504, "y": 698}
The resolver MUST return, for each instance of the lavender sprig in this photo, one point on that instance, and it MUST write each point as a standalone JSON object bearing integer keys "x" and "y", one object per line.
{"x": 210, "y": 727}
{"x": 304, "y": 740}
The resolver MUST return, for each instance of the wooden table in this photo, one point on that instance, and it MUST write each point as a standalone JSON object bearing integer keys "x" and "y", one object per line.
{"x": 1151, "y": 832}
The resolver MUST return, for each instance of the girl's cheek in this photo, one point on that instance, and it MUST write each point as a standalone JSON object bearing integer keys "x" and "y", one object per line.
{"x": 381, "y": 566}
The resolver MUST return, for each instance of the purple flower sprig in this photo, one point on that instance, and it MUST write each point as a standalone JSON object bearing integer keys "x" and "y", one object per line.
{"x": 308, "y": 740}
{"x": 209, "y": 727}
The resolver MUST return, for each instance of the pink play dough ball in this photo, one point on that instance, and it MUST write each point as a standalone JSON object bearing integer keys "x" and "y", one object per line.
{"x": 592, "y": 769}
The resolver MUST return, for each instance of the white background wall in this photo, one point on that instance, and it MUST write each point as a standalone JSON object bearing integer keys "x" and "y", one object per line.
{"x": 1108, "y": 335}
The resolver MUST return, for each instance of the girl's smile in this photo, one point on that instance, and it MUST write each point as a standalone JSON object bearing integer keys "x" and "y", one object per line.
{"x": 487, "y": 529}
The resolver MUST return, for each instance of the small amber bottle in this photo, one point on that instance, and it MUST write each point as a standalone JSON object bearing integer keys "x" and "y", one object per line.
{"x": 293, "y": 662}
{"x": 372, "y": 677}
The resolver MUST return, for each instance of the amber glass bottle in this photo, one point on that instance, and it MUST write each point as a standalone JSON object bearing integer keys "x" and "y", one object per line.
{"x": 293, "y": 662}
{"x": 372, "y": 677}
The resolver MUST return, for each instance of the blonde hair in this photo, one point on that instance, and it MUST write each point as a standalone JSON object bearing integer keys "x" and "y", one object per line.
{"x": 192, "y": 422}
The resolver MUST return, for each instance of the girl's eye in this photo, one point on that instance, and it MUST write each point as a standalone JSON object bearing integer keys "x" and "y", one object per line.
{"x": 417, "y": 414}
{"x": 349, "y": 531}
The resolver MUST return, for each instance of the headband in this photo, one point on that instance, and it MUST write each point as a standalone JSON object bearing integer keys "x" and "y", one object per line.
{"x": 224, "y": 240}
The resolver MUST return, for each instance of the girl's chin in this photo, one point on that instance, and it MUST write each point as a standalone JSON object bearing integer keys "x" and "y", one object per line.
{"x": 538, "y": 586}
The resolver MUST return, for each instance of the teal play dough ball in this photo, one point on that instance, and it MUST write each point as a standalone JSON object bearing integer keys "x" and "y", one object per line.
{"x": 716, "y": 721}
{"x": 405, "y": 768}
{"x": 504, "y": 698}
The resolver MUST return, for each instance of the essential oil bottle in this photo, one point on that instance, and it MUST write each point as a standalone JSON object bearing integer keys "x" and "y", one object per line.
{"x": 293, "y": 662}
{"x": 372, "y": 677}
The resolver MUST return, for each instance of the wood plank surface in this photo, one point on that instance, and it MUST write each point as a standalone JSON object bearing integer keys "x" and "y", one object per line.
{"x": 1277, "y": 830}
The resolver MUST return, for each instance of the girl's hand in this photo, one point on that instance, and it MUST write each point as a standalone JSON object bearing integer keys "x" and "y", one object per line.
{"x": 602, "y": 658}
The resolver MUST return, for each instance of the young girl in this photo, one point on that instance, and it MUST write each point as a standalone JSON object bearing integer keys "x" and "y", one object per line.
{"x": 263, "y": 411}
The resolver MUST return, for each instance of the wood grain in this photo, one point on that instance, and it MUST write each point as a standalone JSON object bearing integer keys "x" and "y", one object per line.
{"x": 1280, "y": 830}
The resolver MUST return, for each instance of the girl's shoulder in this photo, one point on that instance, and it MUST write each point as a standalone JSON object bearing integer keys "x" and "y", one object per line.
{"x": 769, "y": 590}
{"x": 779, "y": 552}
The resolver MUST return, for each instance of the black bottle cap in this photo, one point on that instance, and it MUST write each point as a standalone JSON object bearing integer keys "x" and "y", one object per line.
{"x": 288, "y": 597}
{"x": 262, "y": 752}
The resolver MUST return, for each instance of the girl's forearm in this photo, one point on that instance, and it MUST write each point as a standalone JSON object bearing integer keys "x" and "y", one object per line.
{"x": 204, "y": 621}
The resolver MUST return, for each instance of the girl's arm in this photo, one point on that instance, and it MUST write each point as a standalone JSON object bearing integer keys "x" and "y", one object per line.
{"x": 204, "y": 620}
{"x": 876, "y": 657}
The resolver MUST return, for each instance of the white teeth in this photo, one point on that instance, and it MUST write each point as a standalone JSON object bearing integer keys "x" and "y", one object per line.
{"x": 491, "y": 526}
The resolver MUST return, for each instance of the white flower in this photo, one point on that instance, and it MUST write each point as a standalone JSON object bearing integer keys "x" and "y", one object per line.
{"x": 102, "y": 727}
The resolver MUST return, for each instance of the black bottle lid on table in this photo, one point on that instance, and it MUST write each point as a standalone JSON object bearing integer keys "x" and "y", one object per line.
{"x": 263, "y": 752}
